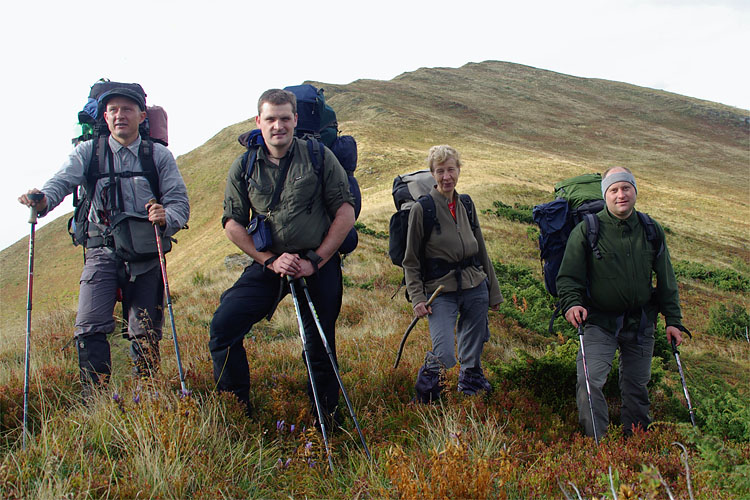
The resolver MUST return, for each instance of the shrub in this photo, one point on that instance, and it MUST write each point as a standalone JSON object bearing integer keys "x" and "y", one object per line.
{"x": 723, "y": 279}
{"x": 362, "y": 229}
{"x": 723, "y": 411}
{"x": 517, "y": 213}
{"x": 730, "y": 322}
{"x": 527, "y": 301}
{"x": 550, "y": 377}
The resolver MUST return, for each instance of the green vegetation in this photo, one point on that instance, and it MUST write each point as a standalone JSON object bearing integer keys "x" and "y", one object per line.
{"x": 527, "y": 301}
{"x": 363, "y": 229}
{"x": 522, "y": 129}
{"x": 731, "y": 322}
{"x": 518, "y": 212}
{"x": 723, "y": 279}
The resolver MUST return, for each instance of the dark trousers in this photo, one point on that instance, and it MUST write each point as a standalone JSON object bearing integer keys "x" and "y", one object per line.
{"x": 635, "y": 373}
{"x": 248, "y": 301}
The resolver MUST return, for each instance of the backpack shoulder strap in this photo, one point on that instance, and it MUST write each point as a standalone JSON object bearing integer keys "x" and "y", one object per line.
{"x": 592, "y": 234}
{"x": 429, "y": 217}
{"x": 652, "y": 235}
{"x": 248, "y": 162}
{"x": 146, "y": 157}
{"x": 316, "y": 150}
{"x": 469, "y": 206}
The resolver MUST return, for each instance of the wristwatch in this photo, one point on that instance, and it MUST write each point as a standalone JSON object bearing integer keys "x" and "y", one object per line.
{"x": 269, "y": 261}
{"x": 314, "y": 258}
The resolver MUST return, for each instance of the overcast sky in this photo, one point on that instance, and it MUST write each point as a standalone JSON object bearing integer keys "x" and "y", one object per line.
{"x": 206, "y": 63}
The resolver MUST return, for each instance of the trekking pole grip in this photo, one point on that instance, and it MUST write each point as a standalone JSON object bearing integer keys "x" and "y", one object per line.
{"x": 35, "y": 198}
{"x": 152, "y": 201}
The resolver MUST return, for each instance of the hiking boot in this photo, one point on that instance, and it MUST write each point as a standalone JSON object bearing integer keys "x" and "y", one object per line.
{"x": 471, "y": 382}
{"x": 429, "y": 385}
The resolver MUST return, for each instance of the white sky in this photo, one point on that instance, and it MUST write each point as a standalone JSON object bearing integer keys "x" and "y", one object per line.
{"x": 206, "y": 63}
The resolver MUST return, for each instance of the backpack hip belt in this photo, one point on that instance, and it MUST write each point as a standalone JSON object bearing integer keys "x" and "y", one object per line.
{"x": 437, "y": 268}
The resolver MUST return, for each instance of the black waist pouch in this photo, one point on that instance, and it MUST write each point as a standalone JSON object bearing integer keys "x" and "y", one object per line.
{"x": 135, "y": 239}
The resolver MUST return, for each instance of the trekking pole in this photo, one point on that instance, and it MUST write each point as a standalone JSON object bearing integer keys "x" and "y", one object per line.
{"x": 588, "y": 387}
{"x": 34, "y": 197}
{"x": 163, "y": 265}
{"x": 309, "y": 370}
{"x": 411, "y": 325}
{"x": 684, "y": 384}
{"x": 334, "y": 365}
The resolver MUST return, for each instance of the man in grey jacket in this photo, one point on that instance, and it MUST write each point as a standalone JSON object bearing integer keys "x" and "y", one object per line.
{"x": 107, "y": 277}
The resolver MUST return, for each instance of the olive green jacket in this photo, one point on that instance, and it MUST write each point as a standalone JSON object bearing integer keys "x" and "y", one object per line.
{"x": 453, "y": 243}
{"x": 306, "y": 207}
{"x": 621, "y": 281}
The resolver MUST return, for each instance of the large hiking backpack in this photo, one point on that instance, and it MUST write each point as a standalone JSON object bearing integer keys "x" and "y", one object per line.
{"x": 317, "y": 125}
{"x": 579, "y": 200}
{"x": 409, "y": 189}
{"x": 93, "y": 127}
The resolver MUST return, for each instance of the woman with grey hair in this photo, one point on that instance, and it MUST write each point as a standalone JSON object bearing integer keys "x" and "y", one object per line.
{"x": 452, "y": 253}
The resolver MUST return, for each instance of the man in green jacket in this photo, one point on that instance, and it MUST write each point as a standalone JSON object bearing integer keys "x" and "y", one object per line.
{"x": 614, "y": 297}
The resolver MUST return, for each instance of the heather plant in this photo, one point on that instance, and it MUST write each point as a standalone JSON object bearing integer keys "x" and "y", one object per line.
{"x": 363, "y": 229}
{"x": 731, "y": 322}
{"x": 580, "y": 463}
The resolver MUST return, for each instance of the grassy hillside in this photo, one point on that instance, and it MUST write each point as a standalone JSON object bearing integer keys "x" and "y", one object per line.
{"x": 519, "y": 130}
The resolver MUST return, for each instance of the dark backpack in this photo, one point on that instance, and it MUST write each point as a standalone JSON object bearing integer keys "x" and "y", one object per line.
{"x": 409, "y": 189}
{"x": 557, "y": 219}
{"x": 316, "y": 123}
{"x": 94, "y": 128}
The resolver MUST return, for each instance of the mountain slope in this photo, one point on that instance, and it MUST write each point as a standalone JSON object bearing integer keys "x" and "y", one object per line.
{"x": 520, "y": 130}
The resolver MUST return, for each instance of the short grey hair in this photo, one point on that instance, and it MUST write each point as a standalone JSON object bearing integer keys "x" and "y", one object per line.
{"x": 441, "y": 154}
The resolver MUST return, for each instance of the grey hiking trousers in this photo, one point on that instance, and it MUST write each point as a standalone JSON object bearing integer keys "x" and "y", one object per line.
{"x": 635, "y": 373}
{"x": 142, "y": 297}
{"x": 459, "y": 319}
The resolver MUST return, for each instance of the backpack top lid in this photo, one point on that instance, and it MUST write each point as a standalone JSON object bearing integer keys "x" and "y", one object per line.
{"x": 314, "y": 116}
{"x": 407, "y": 188}
{"x": 91, "y": 116}
{"x": 580, "y": 189}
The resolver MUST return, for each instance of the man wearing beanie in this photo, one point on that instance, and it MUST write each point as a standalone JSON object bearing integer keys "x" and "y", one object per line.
{"x": 612, "y": 295}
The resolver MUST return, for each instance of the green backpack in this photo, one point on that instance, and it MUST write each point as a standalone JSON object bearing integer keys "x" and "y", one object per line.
{"x": 578, "y": 190}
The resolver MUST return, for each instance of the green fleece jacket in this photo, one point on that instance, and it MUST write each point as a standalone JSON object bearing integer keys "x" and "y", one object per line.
{"x": 621, "y": 281}
{"x": 453, "y": 243}
{"x": 306, "y": 208}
